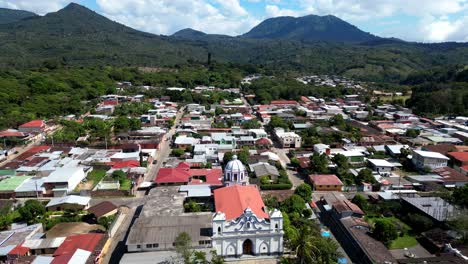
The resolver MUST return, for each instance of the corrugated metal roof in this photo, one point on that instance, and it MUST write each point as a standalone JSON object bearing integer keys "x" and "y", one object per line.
{"x": 71, "y": 199}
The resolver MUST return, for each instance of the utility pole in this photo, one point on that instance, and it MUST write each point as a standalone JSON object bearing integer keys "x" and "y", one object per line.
{"x": 105, "y": 139}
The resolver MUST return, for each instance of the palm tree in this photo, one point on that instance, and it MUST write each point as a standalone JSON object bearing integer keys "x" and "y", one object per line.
{"x": 303, "y": 245}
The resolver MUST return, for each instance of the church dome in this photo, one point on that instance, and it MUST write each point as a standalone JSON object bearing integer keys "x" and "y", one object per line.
{"x": 235, "y": 173}
{"x": 235, "y": 165}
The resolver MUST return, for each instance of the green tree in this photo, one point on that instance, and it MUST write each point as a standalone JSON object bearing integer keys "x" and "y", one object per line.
{"x": 31, "y": 210}
{"x": 341, "y": 161}
{"x": 319, "y": 163}
{"x": 460, "y": 224}
{"x": 251, "y": 124}
{"x": 412, "y": 132}
{"x": 177, "y": 152}
{"x": 360, "y": 201}
{"x": 183, "y": 245}
{"x": 365, "y": 175}
{"x": 294, "y": 203}
{"x": 304, "y": 191}
{"x": 460, "y": 195}
{"x": 384, "y": 230}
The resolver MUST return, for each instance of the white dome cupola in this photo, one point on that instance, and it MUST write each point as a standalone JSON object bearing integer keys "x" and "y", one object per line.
{"x": 235, "y": 172}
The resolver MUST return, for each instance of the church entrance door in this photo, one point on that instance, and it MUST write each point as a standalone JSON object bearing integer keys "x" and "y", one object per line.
{"x": 247, "y": 247}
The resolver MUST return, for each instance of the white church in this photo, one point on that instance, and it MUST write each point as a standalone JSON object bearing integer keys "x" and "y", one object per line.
{"x": 242, "y": 225}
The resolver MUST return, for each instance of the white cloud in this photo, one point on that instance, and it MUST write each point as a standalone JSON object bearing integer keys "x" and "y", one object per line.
{"x": 36, "y": 6}
{"x": 366, "y": 9}
{"x": 275, "y": 11}
{"x": 168, "y": 16}
{"x": 442, "y": 29}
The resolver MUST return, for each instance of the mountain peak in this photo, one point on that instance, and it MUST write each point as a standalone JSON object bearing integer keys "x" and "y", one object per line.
{"x": 189, "y": 33}
{"x": 309, "y": 28}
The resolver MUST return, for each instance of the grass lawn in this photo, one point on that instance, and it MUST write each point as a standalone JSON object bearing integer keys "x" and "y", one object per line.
{"x": 96, "y": 176}
{"x": 126, "y": 185}
{"x": 391, "y": 98}
{"x": 405, "y": 241}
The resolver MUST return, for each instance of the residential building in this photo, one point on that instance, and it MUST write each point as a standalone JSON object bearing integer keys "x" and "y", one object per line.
{"x": 288, "y": 139}
{"x": 326, "y": 182}
{"x": 264, "y": 169}
{"x": 71, "y": 202}
{"x": 381, "y": 166}
{"x": 242, "y": 226}
{"x": 34, "y": 126}
{"x": 428, "y": 159}
{"x": 183, "y": 174}
{"x": 63, "y": 180}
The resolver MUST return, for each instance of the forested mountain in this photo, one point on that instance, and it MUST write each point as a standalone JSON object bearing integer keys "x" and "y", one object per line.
{"x": 12, "y": 15}
{"x": 77, "y": 36}
{"x": 309, "y": 28}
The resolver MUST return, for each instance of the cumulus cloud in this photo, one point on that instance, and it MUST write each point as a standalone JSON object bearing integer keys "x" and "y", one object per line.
{"x": 168, "y": 16}
{"x": 275, "y": 11}
{"x": 366, "y": 9}
{"x": 443, "y": 29}
{"x": 38, "y": 7}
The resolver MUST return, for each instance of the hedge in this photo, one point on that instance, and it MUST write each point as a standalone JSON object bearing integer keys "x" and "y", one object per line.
{"x": 279, "y": 186}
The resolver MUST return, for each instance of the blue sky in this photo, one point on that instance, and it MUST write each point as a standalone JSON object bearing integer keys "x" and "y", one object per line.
{"x": 414, "y": 20}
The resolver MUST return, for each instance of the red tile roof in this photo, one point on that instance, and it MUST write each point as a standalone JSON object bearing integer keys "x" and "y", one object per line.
{"x": 233, "y": 201}
{"x": 66, "y": 250}
{"x": 325, "y": 179}
{"x": 126, "y": 164}
{"x": 450, "y": 175}
{"x": 102, "y": 208}
{"x": 283, "y": 102}
{"x": 34, "y": 123}
{"x": 19, "y": 250}
{"x": 110, "y": 102}
{"x": 11, "y": 133}
{"x": 461, "y": 156}
{"x": 263, "y": 141}
{"x": 183, "y": 174}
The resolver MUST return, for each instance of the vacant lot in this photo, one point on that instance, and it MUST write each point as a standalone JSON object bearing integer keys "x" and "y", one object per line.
{"x": 73, "y": 228}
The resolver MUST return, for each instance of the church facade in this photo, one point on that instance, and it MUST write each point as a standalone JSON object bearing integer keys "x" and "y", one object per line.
{"x": 242, "y": 226}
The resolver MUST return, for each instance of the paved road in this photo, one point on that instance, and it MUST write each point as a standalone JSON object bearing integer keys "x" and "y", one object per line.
{"x": 163, "y": 152}
{"x": 20, "y": 150}
{"x": 294, "y": 177}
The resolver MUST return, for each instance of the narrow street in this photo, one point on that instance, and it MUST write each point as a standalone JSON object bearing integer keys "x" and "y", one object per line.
{"x": 294, "y": 177}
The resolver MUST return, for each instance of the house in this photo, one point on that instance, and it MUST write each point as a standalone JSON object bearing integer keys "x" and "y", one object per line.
{"x": 183, "y": 142}
{"x": 63, "y": 180}
{"x": 32, "y": 187}
{"x": 325, "y": 182}
{"x": 264, "y": 169}
{"x": 381, "y": 166}
{"x": 70, "y": 202}
{"x": 428, "y": 159}
{"x": 83, "y": 248}
{"x": 354, "y": 156}
{"x": 9, "y": 185}
{"x": 288, "y": 139}
{"x": 34, "y": 126}
{"x": 322, "y": 149}
{"x": 395, "y": 150}
{"x": 451, "y": 177}
{"x": 458, "y": 159}
{"x": 242, "y": 226}
{"x": 183, "y": 174}
{"x": 103, "y": 209}
{"x": 345, "y": 208}
{"x": 263, "y": 143}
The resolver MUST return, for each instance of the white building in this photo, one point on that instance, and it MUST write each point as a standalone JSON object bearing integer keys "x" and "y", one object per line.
{"x": 288, "y": 139}
{"x": 242, "y": 226}
{"x": 235, "y": 173}
{"x": 429, "y": 159}
{"x": 381, "y": 166}
{"x": 322, "y": 148}
{"x": 63, "y": 180}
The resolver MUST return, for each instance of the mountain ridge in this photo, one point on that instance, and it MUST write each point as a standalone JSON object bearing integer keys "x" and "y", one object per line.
{"x": 78, "y": 36}
{"x": 13, "y": 15}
